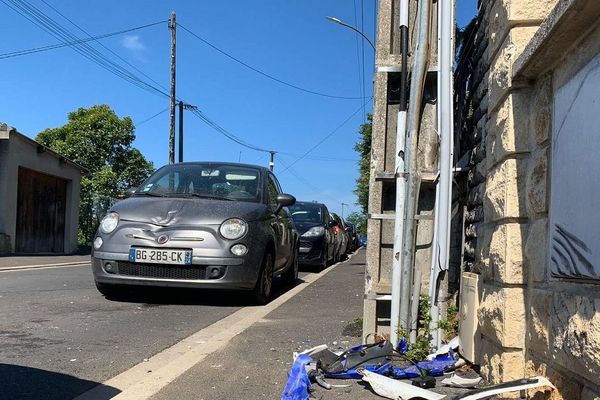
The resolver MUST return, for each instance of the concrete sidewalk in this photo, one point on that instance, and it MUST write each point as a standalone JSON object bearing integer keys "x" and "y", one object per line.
{"x": 255, "y": 364}
{"x": 12, "y": 262}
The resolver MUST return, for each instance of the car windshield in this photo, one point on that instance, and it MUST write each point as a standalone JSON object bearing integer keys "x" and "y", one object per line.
{"x": 226, "y": 182}
{"x": 306, "y": 212}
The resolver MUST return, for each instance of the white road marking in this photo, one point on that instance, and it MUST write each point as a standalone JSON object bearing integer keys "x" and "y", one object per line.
{"x": 149, "y": 377}
{"x": 44, "y": 266}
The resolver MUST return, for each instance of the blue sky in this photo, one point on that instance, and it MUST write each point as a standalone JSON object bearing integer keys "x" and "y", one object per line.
{"x": 290, "y": 40}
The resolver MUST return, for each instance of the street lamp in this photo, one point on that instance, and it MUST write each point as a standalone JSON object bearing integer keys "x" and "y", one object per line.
{"x": 343, "y": 204}
{"x": 340, "y": 22}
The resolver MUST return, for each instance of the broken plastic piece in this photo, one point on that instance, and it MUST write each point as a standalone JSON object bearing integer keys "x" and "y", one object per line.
{"x": 393, "y": 389}
{"x": 298, "y": 384}
{"x": 310, "y": 351}
{"x": 461, "y": 382}
{"x": 445, "y": 349}
{"x": 513, "y": 386}
{"x": 424, "y": 382}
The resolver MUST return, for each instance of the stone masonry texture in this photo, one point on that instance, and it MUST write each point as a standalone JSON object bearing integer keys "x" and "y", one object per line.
{"x": 529, "y": 322}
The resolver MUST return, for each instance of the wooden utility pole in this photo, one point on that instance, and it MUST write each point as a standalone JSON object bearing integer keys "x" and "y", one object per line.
{"x": 172, "y": 27}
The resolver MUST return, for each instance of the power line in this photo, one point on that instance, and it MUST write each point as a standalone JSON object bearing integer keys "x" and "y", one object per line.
{"x": 326, "y": 136}
{"x": 151, "y": 118}
{"x": 107, "y": 48}
{"x": 361, "y": 78}
{"x": 44, "y": 22}
{"x": 198, "y": 113}
{"x": 306, "y": 182}
{"x": 66, "y": 44}
{"x": 266, "y": 75}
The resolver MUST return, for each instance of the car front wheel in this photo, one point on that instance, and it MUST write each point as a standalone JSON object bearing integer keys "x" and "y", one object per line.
{"x": 264, "y": 285}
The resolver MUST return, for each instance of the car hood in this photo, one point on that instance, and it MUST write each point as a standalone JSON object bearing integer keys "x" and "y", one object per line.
{"x": 169, "y": 211}
{"x": 302, "y": 227}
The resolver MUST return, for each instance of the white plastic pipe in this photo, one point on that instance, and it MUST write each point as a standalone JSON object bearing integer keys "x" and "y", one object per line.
{"x": 400, "y": 179}
{"x": 445, "y": 124}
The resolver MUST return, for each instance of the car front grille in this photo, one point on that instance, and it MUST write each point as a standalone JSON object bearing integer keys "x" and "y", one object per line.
{"x": 189, "y": 272}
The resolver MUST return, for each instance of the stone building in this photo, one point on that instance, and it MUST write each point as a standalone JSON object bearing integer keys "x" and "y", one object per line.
{"x": 528, "y": 119}
{"x": 382, "y": 185}
{"x": 39, "y": 197}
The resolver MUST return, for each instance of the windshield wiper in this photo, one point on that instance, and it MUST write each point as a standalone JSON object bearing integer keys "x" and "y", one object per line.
{"x": 149, "y": 194}
{"x": 200, "y": 196}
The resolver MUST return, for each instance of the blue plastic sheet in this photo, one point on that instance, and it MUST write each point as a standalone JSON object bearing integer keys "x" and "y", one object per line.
{"x": 298, "y": 382}
{"x": 434, "y": 367}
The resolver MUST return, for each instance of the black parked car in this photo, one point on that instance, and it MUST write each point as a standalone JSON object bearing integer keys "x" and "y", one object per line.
{"x": 316, "y": 230}
{"x": 199, "y": 225}
{"x": 352, "y": 236}
{"x": 341, "y": 238}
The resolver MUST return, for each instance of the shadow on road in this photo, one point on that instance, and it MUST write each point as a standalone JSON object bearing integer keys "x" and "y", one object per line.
{"x": 18, "y": 382}
{"x": 156, "y": 297}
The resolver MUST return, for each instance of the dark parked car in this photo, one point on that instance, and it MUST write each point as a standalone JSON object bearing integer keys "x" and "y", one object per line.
{"x": 362, "y": 240}
{"x": 352, "y": 236}
{"x": 341, "y": 238}
{"x": 199, "y": 225}
{"x": 316, "y": 230}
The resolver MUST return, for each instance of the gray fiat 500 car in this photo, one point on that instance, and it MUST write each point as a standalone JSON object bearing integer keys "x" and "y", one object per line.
{"x": 199, "y": 225}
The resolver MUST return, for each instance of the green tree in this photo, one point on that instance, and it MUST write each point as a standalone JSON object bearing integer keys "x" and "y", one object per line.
{"x": 359, "y": 220}
{"x": 101, "y": 142}
{"x": 363, "y": 148}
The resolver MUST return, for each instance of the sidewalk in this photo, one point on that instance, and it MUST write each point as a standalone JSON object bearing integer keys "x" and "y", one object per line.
{"x": 254, "y": 365}
{"x": 11, "y": 262}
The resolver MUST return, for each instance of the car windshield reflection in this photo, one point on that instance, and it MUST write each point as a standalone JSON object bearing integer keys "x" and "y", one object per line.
{"x": 208, "y": 181}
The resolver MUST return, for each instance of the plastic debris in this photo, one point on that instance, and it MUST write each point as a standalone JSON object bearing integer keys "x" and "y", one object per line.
{"x": 513, "y": 386}
{"x": 461, "y": 382}
{"x": 445, "y": 349}
{"x": 311, "y": 351}
{"x": 298, "y": 384}
{"x": 393, "y": 389}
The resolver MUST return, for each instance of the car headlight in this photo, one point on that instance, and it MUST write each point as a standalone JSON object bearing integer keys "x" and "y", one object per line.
{"x": 109, "y": 222}
{"x": 314, "y": 231}
{"x": 233, "y": 228}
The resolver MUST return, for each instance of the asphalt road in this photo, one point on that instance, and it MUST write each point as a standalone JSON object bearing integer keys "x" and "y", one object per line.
{"x": 59, "y": 337}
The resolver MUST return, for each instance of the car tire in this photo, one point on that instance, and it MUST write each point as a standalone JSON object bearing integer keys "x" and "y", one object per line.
{"x": 106, "y": 289}
{"x": 291, "y": 275}
{"x": 264, "y": 284}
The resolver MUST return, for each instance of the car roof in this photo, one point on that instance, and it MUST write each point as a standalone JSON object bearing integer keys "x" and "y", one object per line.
{"x": 225, "y": 163}
{"x": 309, "y": 203}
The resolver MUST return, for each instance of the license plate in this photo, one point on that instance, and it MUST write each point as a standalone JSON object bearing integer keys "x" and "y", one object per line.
{"x": 160, "y": 256}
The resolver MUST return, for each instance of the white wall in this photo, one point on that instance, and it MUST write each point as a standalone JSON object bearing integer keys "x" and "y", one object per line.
{"x": 574, "y": 243}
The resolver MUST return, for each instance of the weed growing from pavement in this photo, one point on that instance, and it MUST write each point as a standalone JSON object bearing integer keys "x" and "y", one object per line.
{"x": 419, "y": 350}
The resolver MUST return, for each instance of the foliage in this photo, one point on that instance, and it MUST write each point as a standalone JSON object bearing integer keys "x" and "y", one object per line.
{"x": 97, "y": 139}
{"x": 363, "y": 148}
{"x": 450, "y": 325}
{"x": 419, "y": 350}
{"x": 359, "y": 220}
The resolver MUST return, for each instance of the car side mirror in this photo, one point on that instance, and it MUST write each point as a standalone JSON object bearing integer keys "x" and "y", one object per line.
{"x": 332, "y": 223}
{"x": 129, "y": 192}
{"x": 284, "y": 200}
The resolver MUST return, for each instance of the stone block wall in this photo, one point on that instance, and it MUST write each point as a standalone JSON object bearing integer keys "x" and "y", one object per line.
{"x": 530, "y": 322}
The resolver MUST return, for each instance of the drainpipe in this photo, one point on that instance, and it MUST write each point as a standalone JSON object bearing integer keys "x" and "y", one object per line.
{"x": 445, "y": 124}
{"x": 400, "y": 176}
{"x": 417, "y": 83}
